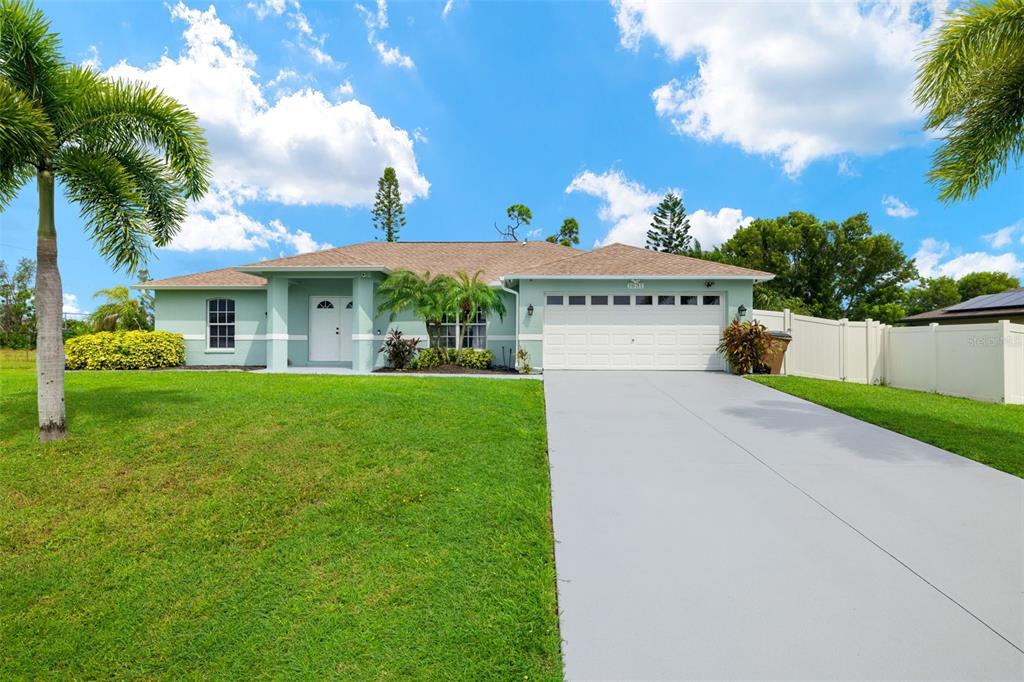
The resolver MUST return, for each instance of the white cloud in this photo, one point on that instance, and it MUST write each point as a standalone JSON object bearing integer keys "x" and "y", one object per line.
{"x": 71, "y": 306}
{"x": 846, "y": 169}
{"x": 378, "y": 21}
{"x": 932, "y": 261}
{"x": 299, "y": 149}
{"x": 215, "y": 223}
{"x": 282, "y": 76}
{"x": 267, "y": 7}
{"x": 629, "y": 206}
{"x": 345, "y": 89}
{"x": 795, "y": 81}
{"x": 449, "y": 5}
{"x": 420, "y": 136}
{"x": 897, "y": 208}
{"x": 1003, "y": 237}
{"x": 711, "y": 229}
{"x": 93, "y": 60}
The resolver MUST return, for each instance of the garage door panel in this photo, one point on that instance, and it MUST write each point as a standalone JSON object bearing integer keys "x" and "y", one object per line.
{"x": 632, "y": 337}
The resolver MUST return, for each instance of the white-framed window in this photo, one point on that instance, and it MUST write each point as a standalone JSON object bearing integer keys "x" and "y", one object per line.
{"x": 476, "y": 332}
{"x": 712, "y": 300}
{"x": 220, "y": 323}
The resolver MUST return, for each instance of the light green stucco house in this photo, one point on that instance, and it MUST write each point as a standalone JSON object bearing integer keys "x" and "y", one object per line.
{"x": 616, "y": 307}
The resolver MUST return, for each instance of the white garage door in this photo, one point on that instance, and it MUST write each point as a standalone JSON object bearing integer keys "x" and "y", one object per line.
{"x": 633, "y": 331}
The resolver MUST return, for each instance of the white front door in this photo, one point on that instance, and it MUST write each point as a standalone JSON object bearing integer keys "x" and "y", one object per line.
{"x": 633, "y": 331}
{"x": 330, "y": 328}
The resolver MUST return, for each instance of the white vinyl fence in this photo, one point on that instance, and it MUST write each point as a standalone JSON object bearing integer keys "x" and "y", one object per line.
{"x": 979, "y": 361}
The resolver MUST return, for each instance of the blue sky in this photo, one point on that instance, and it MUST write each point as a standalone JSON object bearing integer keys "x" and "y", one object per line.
{"x": 580, "y": 109}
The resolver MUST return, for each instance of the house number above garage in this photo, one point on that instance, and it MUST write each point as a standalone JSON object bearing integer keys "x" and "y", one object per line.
{"x": 634, "y": 284}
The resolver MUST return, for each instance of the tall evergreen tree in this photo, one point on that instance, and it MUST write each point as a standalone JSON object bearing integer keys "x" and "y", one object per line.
{"x": 388, "y": 212}
{"x": 670, "y": 228}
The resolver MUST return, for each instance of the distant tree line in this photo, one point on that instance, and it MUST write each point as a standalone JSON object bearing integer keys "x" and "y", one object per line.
{"x": 119, "y": 310}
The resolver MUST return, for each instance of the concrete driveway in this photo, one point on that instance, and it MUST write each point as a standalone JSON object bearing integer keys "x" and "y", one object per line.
{"x": 708, "y": 527}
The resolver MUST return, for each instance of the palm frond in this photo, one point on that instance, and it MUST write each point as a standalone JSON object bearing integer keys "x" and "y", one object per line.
{"x": 25, "y": 133}
{"x": 136, "y": 114}
{"x": 971, "y": 85}
{"x": 113, "y": 207}
{"x": 970, "y": 40}
{"x": 982, "y": 143}
{"x": 29, "y": 50}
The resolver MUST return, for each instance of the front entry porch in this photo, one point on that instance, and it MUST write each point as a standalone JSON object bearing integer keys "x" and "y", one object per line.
{"x": 320, "y": 320}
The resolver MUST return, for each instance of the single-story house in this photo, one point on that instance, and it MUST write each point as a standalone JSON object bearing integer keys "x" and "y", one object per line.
{"x": 615, "y": 307}
{"x": 1007, "y": 305}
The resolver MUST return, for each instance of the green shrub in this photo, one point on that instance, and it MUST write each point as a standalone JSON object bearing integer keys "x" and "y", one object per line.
{"x": 429, "y": 358}
{"x": 125, "y": 350}
{"x": 474, "y": 358}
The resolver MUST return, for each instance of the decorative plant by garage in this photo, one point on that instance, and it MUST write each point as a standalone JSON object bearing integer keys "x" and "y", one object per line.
{"x": 744, "y": 344}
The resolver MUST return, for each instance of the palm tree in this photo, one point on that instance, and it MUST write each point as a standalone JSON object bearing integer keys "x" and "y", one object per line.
{"x": 126, "y": 153}
{"x": 120, "y": 312}
{"x": 428, "y": 296}
{"x": 471, "y": 295}
{"x": 971, "y": 83}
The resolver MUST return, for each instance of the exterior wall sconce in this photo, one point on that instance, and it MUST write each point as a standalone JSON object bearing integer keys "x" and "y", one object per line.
{"x": 742, "y": 310}
{"x": 708, "y": 284}
{"x": 529, "y": 310}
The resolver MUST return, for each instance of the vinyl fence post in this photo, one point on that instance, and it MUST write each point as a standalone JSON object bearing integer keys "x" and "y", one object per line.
{"x": 868, "y": 344}
{"x": 843, "y": 329}
{"x": 934, "y": 329}
{"x": 1004, "y": 358}
{"x": 787, "y": 326}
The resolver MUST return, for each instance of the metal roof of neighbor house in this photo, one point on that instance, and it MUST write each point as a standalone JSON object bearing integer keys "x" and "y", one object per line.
{"x": 620, "y": 260}
{"x": 1006, "y": 303}
{"x": 493, "y": 260}
{"x": 1011, "y": 298}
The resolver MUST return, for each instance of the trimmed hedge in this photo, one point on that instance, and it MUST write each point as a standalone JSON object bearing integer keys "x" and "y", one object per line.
{"x": 474, "y": 359}
{"x": 429, "y": 358}
{"x": 125, "y": 350}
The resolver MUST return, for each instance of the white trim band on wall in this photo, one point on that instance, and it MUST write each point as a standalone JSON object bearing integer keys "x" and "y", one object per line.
{"x": 366, "y": 337}
{"x": 252, "y": 337}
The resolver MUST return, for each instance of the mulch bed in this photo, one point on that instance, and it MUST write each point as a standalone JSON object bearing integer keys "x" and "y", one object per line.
{"x": 445, "y": 369}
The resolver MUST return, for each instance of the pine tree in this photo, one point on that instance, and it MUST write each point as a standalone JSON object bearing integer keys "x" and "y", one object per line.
{"x": 388, "y": 213}
{"x": 568, "y": 234}
{"x": 670, "y": 228}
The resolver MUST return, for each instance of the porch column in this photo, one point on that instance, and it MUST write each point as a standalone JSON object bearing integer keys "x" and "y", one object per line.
{"x": 277, "y": 324}
{"x": 362, "y": 323}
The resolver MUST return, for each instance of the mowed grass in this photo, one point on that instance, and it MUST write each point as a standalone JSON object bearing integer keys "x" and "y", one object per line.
{"x": 234, "y": 525}
{"x": 988, "y": 433}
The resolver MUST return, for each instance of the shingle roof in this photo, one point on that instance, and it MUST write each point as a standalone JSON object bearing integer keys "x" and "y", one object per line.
{"x": 494, "y": 259}
{"x": 622, "y": 260}
{"x": 225, "y": 277}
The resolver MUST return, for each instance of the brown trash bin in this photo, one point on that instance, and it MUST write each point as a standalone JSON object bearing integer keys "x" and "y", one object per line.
{"x": 773, "y": 358}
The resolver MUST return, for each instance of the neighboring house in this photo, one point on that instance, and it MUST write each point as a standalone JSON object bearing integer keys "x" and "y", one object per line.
{"x": 616, "y": 307}
{"x": 1008, "y": 305}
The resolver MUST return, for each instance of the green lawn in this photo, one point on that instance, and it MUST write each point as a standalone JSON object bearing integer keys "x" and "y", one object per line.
{"x": 234, "y": 525}
{"x": 985, "y": 432}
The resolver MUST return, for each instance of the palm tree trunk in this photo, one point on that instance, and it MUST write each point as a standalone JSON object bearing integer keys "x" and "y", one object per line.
{"x": 49, "y": 304}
